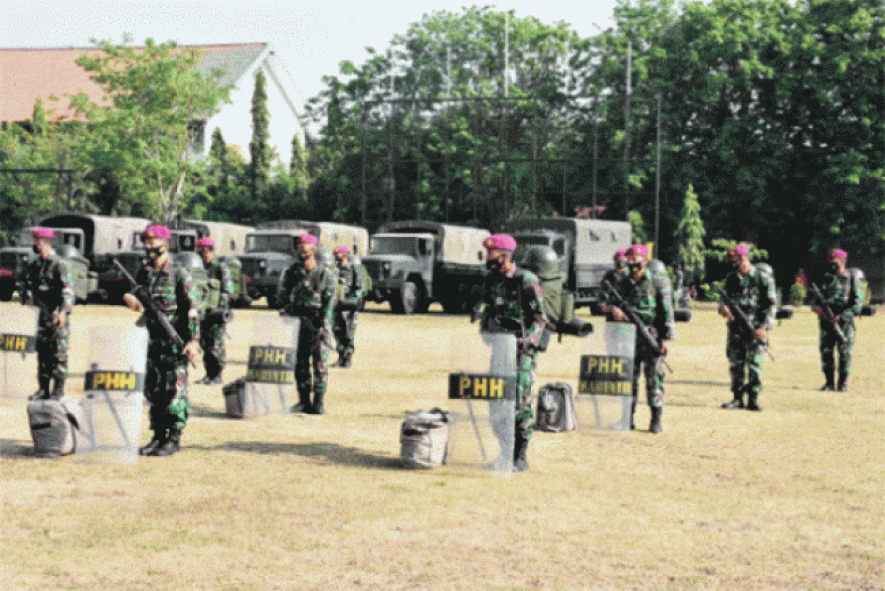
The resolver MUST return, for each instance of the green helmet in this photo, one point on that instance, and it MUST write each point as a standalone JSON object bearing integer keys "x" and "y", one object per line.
{"x": 656, "y": 267}
{"x": 540, "y": 260}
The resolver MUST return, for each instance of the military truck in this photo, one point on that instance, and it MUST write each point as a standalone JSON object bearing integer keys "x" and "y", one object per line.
{"x": 13, "y": 260}
{"x": 585, "y": 249}
{"x": 269, "y": 250}
{"x": 415, "y": 263}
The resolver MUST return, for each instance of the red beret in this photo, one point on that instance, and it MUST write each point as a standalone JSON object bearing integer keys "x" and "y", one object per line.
{"x": 156, "y": 231}
{"x": 305, "y": 239}
{"x": 741, "y": 250}
{"x": 206, "y": 242}
{"x": 341, "y": 248}
{"x": 40, "y": 232}
{"x": 500, "y": 241}
{"x": 638, "y": 250}
{"x": 621, "y": 253}
{"x": 838, "y": 253}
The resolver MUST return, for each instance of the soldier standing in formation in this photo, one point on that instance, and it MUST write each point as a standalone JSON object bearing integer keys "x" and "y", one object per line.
{"x": 351, "y": 291}
{"x": 307, "y": 290}
{"x": 48, "y": 284}
{"x": 651, "y": 297}
{"x": 752, "y": 291}
{"x": 843, "y": 293}
{"x": 513, "y": 301}
{"x": 212, "y": 326}
{"x": 172, "y": 288}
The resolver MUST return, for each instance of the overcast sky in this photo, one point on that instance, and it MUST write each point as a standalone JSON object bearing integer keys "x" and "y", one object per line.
{"x": 310, "y": 36}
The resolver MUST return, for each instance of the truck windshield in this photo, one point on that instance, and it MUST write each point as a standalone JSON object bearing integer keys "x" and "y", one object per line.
{"x": 9, "y": 260}
{"x": 269, "y": 242}
{"x": 395, "y": 245}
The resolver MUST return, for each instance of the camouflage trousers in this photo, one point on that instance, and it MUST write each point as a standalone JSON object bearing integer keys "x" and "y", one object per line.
{"x": 829, "y": 345}
{"x": 52, "y": 353}
{"x": 345, "y": 330}
{"x": 165, "y": 386}
{"x": 313, "y": 353}
{"x": 213, "y": 346}
{"x": 525, "y": 378}
{"x": 653, "y": 370}
{"x": 744, "y": 357}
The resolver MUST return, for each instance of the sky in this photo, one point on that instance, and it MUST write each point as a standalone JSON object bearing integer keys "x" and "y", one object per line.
{"x": 311, "y": 37}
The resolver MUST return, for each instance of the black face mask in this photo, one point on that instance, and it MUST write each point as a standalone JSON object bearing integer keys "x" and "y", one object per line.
{"x": 35, "y": 248}
{"x": 303, "y": 255}
{"x": 493, "y": 264}
{"x": 634, "y": 267}
{"x": 154, "y": 253}
{"x": 834, "y": 268}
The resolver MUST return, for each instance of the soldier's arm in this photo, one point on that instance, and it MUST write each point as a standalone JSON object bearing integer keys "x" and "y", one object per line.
{"x": 66, "y": 283}
{"x": 767, "y": 302}
{"x": 533, "y": 310}
{"x": 187, "y": 305}
{"x": 283, "y": 290}
{"x": 359, "y": 284}
{"x": 329, "y": 295}
{"x": 225, "y": 287}
{"x": 856, "y": 295}
{"x": 665, "y": 320}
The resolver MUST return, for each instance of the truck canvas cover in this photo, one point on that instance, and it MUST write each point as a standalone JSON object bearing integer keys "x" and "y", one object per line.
{"x": 455, "y": 244}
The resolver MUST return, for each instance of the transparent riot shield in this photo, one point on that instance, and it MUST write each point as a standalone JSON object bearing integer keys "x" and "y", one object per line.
{"x": 270, "y": 371}
{"x": 18, "y": 347}
{"x": 482, "y": 402}
{"x": 605, "y": 379}
{"x": 112, "y": 408}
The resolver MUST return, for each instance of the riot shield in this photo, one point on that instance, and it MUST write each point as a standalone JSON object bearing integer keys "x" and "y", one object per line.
{"x": 605, "y": 379}
{"x": 18, "y": 346}
{"x": 482, "y": 402}
{"x": 112, "y": 408}
{"x": 270, "y": 371}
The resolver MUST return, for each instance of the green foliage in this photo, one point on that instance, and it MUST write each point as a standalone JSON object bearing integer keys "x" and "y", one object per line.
{"x": 638, "y": 225}
{"x": 720, "y": 247}
{"x": 260, "y": 151}
{"x": 690, "y": 239}
{"x": 798, "y": 293}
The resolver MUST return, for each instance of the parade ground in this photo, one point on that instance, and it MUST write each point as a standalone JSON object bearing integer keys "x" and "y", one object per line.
{"x": 790, "y": 498}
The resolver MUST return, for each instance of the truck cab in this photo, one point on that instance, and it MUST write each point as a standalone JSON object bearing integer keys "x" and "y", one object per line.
{"x": 401, "y": 266}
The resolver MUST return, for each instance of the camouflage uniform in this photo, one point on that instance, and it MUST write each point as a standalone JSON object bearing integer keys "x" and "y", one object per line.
{"x": 844, "y": 294}
{"x": 211, "y": 328}
{"x": 166, "y": 382}
{"x": 310, "y": 295}
{"x": 755, "y": 294}
{"x": 48, "y": 283}
{"x": 351, "y": 291}
{"x": 652, "y": 299}
{"x": 515, "y": 304}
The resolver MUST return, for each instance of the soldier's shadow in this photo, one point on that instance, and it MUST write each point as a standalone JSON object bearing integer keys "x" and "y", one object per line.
{"x": 206, "y": 412}
{"x": 15, "y": 448}
{"x": 329, "y": 453}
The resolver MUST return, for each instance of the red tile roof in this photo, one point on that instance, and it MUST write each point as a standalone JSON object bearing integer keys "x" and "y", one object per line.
{"x": 29, "y": 74}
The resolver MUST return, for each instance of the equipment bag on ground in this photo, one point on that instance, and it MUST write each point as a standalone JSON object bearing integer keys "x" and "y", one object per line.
{"x": 424, "y": 436}
{"x": 54, "y": 426}
{"x": 556, "y": 408}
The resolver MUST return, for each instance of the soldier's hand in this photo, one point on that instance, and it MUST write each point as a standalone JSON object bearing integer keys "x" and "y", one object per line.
{"x": 59, "y": 319}
{"x": 759, "y": 334}
{"x": 618, "y": 314}
{"x": 725, "y": 311}
{"x": 665, "y": 347}
{"x": 132, "y": 302}
{"x": 192, "y": 349}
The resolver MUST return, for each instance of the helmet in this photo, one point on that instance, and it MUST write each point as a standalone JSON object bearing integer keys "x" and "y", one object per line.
{"x": 540, "y": 260}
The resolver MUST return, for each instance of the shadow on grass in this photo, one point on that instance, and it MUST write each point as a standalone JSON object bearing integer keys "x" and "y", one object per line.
{"x": 15, "y": 448}
{"x": 205, "y": 412}
{"x": 331, "y": 453}
{"x": 698, "y": 383}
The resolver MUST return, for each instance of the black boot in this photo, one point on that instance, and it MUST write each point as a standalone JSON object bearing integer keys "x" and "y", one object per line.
{"x": 632, "y": 412}
{"x": 520, "y": 453}
{"x": 843, "y": 382}
{"x": 655, "y": 425}
{"x": 340, "y": 361}
{"x": 348, "y": 358}
{"x": 43, "y": 392}
{"x": 830, "y": 383}
{"x": 738, "y": 401}
{"x": 171, "y": 445}
{"x": 752, "y": 401}
{"x": 317, "y": 408}
{"x": 152, "y": 446}
{"x": 58, "y": 392}
{"x": 303, "y": 402}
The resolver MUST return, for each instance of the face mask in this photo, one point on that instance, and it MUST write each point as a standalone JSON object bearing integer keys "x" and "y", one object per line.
{"x": 154, "y": 253}
{"x": 634, "y": 267}
{"x": 303, "y": 255}
{"x": 834, "y": 267}
{"x": 35, "y": 248}
{"x": 493, "y": 264}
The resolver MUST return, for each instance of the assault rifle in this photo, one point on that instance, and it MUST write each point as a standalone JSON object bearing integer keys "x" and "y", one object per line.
{"x": 745, "y": 324}
{"x": 151, "y": 309}
{"x": 642, "y": 330}
{"x": 827, "y": 314}
{"x": 219, "y": 316}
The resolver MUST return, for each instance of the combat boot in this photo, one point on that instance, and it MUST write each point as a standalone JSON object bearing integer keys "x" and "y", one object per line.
{"x": 830, "y": 383}
{"x": 154, "y": 444}
{"x": 318, "y": 408}
{"x": 843, "y": 382}
{"x": 655, "y": 425}
{"x": 59, "y": 391}
{"x": 520, "y": 453}
{"x": 171, "y": 445}
{"x": 303, "y": 402}
{"x": 752, "y": 401}
{"x": 738, "y": 401}
{"x": 632, "y": 412}
{"x": 348, "y": 358}
{"x": 42, "y": 392}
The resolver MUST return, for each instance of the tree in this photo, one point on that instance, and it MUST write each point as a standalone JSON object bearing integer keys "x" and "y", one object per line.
{"x": 259, "y": 147}
{"x": 690, "y": 239}
{"x": 141, "y": 144}
{"x": 638, "y": 225}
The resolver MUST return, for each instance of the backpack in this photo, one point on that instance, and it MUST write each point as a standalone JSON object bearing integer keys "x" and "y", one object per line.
{"x": 54, "y": 425}
{"x": 424, "y": 437}
{"x": 556, "y": 408}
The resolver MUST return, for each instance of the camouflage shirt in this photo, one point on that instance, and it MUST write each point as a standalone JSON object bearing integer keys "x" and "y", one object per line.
{"x": 173, "y": 289}
{"x": 843, "y": 293}
{"x": 652, "y": 299}
{"x": 49, "y": 283}
{"x": 514, "y": 303}
{"x": 302, "y": 292}
{"x": 220, "y": 272}
{"x": 351, "y": 286}
{"x": 755, "y": 294}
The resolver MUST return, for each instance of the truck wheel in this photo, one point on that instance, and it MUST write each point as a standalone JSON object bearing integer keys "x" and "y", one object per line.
{"x": 452, "y": 305}
{"x": 406, "y": 299}
{"x": 272, "y": 301}
{"x": 423, "y": 305}
{"x": 5, "y": 293}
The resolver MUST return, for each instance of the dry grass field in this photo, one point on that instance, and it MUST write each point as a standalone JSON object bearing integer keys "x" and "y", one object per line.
{"x": 791, "y": 498}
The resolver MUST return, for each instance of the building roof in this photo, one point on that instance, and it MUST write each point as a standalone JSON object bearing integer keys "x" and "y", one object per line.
{"x": 29, "y": 74}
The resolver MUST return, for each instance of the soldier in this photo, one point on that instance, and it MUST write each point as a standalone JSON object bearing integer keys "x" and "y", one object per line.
{"x": 843, "y": 293}
{"x": 351, "y": 291}
{"x": 753, "y": 291}
{"x": 307, "y": 290}
{"x": 613, "y": 276}
{"x": 650, "y": 295}
{"x": 171, "y": 287}
{"x": 48, "y": 284}
{"x": 513, "y": 301}
{"x": 212, "y": 326}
